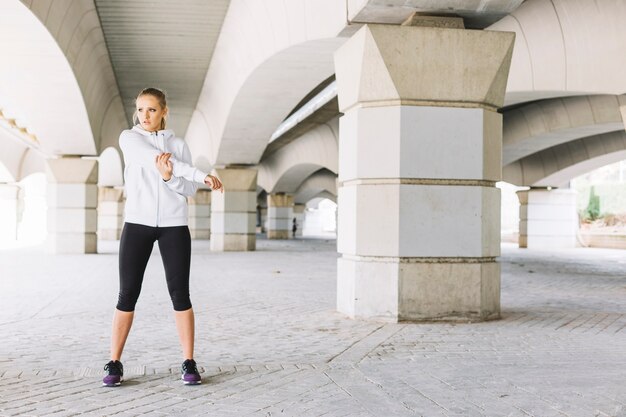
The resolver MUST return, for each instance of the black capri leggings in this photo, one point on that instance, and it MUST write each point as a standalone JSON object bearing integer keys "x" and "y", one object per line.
{"x": 135, "y": 248}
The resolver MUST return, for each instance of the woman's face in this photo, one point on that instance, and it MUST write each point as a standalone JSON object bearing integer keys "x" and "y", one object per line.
{"x": 150, "y": 112}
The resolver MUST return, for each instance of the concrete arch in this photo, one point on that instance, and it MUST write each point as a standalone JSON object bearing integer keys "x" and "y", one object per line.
{"x": 32, "y": 163}
{"x": 317, "y": 199}
{"x": 322, "y": 181}
{"x": 81, "y": 78}
{"x": 289, "y": 166}
{"x": 17, "y": 161}
{"x": 110, "y": 168}
{"x": 565, "y": 47}
{"x": 558, "y": 165}
{"x": 34, "y": 78}
{"x": 541, "y": 125}
{"x": 269, "y": 55}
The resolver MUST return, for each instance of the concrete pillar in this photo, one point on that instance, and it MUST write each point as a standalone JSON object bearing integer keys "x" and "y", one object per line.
{"x": 10, "y": 207}
{"x": 263, "y": 211}
{"x": 233, "y": 213}
{"x": 298, "y": 213}
{"x": 110, "y": 213}
{"x": 72, "y": 196}
{"x": 279, "y": 216}
{"x": 547, "y": 218}
{"x": 419, "y": 156}
{"x": 200, "y": 214}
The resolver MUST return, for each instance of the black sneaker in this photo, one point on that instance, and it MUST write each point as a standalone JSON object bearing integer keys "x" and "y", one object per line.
{"x": 115, "y": 376}
{"x": 190, "y": 376}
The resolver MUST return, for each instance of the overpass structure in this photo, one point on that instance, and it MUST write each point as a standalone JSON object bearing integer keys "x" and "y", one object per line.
{"x": 406, "y": 113}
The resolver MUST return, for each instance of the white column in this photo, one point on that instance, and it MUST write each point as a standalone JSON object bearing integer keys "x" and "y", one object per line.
{"x": 279, "y": 216}
{"x": 548, "y": 218}
{"x": 419, "y": 156}
{"x": 72, "y": 196}
{"x": 110, "y": 212}
{"x": 10, "y": 207}
{"x": 298, "y": 213}
{"x": 200, "y": 214}
{"x": 233, "y": 213}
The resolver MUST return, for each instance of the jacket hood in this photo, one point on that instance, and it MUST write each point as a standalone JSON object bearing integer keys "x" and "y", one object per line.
{"x": 167, "y": 133}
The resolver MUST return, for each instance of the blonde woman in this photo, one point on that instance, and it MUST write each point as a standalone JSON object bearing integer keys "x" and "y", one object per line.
{"x": 158, "y": 177}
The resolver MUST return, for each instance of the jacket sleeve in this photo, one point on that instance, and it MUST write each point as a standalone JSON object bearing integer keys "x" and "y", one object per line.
{"x": 143, "y": 154}
{"x": 182, "y": 185}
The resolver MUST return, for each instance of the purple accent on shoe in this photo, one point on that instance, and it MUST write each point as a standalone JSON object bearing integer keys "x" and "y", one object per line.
{"x": 191, "y": 379}
{"x": 115, "y": 375}
{"x": 190, "y": 376}
{"x": 112, "y": 380}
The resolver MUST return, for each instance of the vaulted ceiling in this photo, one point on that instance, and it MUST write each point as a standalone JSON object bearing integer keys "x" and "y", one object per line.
{"x": 163, "y": 44}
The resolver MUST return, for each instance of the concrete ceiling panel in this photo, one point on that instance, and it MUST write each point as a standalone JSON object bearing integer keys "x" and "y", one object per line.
{"x": 476, "y": 13}
{"x": 163, "y": 44}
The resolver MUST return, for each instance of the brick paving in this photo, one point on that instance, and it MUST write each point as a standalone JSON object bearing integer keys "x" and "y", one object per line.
{"x": 270, "y": 343}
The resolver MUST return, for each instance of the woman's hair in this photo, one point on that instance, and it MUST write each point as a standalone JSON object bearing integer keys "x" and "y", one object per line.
{"x": 159, "y": 95}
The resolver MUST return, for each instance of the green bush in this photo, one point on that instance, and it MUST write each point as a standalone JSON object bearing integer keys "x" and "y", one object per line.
{"x": 592, "y": 212}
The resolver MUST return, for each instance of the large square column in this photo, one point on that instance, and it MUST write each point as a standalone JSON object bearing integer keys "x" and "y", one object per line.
{"x": 233, "y": 212}
{"x": 10, "y": 207}
{"x": 547, "y": 218}
{"x": 200, "y": 214}
{"x": 420, "y": 152}
{"x": 279, "y": 216}
{"x": 110, "y": 213}
{"x": 72, "y": 196}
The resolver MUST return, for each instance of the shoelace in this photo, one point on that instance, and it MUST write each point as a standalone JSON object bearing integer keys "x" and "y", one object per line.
{"x": 189, "y": 367}
{"x": 113, "y": 368}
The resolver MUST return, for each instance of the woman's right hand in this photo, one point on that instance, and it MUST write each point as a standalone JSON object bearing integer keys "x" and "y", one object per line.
{"x": 164, "y": 165}
{"x": 214, "y": 183}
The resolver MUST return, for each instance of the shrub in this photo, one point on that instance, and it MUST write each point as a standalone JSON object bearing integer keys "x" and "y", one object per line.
{"x": 592, "y": 212}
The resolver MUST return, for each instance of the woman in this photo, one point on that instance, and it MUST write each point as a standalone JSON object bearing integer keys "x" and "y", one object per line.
{"x": 158, "y": 178}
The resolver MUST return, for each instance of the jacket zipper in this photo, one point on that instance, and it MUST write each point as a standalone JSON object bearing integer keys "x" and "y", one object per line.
{"x": 158, "y": 186}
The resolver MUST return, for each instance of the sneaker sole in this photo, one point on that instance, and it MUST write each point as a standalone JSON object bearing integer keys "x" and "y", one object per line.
{"x": 190, "y": 382}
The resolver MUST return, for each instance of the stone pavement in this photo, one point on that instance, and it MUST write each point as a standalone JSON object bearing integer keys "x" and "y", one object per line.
{"x": 271, "y": 344}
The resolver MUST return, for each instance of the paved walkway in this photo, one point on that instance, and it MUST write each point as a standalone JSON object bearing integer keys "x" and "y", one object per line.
{"x": 271, "y": 344}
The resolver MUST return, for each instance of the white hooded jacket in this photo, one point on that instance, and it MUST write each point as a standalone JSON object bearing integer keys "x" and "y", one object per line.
{"x": 150, "y": 200}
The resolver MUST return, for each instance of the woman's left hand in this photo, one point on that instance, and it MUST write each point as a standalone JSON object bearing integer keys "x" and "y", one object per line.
{"x": 214, "y": 183}
{"x": 164, "y": 165}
